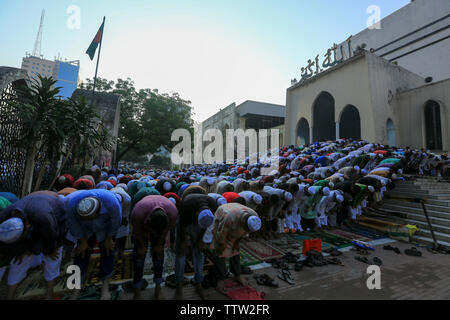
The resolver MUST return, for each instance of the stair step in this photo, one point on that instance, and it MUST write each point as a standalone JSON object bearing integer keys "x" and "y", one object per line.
{"x": 429, "y": 240}
{"x": 420, "y": 195}
{"x": 435, "y": 205}
{"x": 418, "y": 211}
{"x": 423, "y": 225}
{"x": 439, "y": 235}
{"x": 437, "y": 218}
{"x": 418, "y": 189}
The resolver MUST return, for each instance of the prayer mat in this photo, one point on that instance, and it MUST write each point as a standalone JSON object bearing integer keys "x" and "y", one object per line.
{"x": 261, "y": 250}
{"x": 123, "y": 269}
{"x": 235, "y": 291}
{"x": 247, "y": 259}
{"x": 372, "y": 234}
{"x": 94, "y": 293}
{"x": 287, "y": 243}
{"x": 348, "y": 235}
{"x": 34, "y": 287}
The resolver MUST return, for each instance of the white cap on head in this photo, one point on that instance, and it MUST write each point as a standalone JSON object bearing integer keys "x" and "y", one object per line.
{"x": 257, "y": 199}
{"x": 331, "y": 185}
{"x": 326, "y": 191}
{"x": 288, "y": 196}
{"x": 371, "y": 189}
{"x": 210, "y": 181}
{"x": 312, "y": 190}
{"x": 357, "y": 168}
{"x": 221, "y": 201}
{"x": 167, "y": 186}
{"x": 340, "y": 198}
{"x": 173, "y": 200}
{"x": 254, "y": 223}
{"x": 11, "y": 230}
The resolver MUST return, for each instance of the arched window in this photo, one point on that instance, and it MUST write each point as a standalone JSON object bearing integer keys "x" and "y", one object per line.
{"x": 303, "y": 132}
{"x": 350, "y": 124}
{"x": 324, "y": 126}
{"x": 390, "y": 132}
{"x": 433, "y": 131}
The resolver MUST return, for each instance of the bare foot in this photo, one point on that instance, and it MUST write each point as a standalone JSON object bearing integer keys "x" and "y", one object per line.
{"x": 241, "y": 280}
{"x": 220, "y": 286}
{"x": 200, "y": 292}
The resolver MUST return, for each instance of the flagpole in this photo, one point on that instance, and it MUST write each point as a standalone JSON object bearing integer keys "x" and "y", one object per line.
{"x": 98, "y": 57}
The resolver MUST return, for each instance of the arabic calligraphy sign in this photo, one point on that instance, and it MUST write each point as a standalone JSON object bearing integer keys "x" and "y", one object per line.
{"x": 334, "y": 56}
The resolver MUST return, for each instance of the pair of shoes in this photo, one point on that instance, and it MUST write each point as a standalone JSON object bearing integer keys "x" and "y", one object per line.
{"x": 375, "y": 261}
{"x": 285, "y": 275}
{"x": 335, "y": 261}
{"x": 395, "y": 249}
{"x": 266, "y": 280}
{"x": 413, "y": 252}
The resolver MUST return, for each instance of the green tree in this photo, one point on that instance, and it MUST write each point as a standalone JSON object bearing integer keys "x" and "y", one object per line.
{"x": 147, "y": 118}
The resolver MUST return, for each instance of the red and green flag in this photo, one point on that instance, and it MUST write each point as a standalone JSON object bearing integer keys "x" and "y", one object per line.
{"x": 97, "y": 40}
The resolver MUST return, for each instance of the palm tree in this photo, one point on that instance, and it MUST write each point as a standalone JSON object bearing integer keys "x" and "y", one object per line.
{"x": 83, "y": 131}
{"x": 38, "y": 106}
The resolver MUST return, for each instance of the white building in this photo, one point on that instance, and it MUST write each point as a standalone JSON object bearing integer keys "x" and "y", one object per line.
{"x": 388, "y": 85}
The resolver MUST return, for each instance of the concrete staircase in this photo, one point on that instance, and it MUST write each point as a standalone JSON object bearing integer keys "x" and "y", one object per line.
{"x": 437, "y": 196}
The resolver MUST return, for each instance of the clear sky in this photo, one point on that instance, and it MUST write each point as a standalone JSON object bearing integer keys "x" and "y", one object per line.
{"x": 212, "y": 52}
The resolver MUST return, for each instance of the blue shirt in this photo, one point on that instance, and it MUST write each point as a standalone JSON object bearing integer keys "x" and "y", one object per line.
{"x": 106, "y": 225}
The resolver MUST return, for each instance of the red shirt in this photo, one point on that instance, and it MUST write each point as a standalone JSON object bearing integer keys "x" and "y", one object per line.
{"x": 145, "y": 207}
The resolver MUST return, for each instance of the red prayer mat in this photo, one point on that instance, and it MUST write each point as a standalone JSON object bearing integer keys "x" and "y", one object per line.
{"x": 261, "y": 250}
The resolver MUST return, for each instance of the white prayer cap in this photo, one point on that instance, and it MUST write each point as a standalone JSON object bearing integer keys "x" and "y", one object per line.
{"x": 326, "y": 191}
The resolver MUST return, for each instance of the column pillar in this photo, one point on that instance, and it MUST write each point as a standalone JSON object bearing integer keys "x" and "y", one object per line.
{"x": 311, "y": 139}
{"x": 337, "y": 131}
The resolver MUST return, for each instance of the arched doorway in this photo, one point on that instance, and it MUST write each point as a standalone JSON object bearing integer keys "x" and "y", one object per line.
{"x": 350, "y": 124}
{"x": 433, "y": 131}
{"x": 390, "y": 133}
{"x": 324, "y": 126}
{"x": 303, "y": 132}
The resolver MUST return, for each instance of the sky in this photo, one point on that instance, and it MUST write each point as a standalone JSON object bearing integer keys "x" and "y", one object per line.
{"x": 213, "y": 53}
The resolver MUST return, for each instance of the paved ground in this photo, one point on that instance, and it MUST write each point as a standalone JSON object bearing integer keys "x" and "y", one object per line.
{"x": 402, "y": 278}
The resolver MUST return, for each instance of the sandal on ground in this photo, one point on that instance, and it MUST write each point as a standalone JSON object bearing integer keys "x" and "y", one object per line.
{"x": 395, "y": 249}
{"x": 377, "y": 261}
{"x": 335, "y": 261}
{"x": 433, "y": 251}
{"x": 285, "y": 275}
{"x": 266, "y": 280}
{"x": 413, "y": 252}
{"x": 336, "y": 253}
{"x": 362, "y": 259}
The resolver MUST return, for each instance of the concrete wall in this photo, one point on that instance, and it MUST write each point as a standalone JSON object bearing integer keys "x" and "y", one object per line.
{"x": 9, "y": 75}
{"x": 109, "y": 110}
{"x": 393, "y": 39}
{"x": 386, "y": 80}
{"x": 261, "y": 108}
{"x": 348, "y": 83}
{"x": 225, "y": 117}
{"x": 411, "y": 106}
